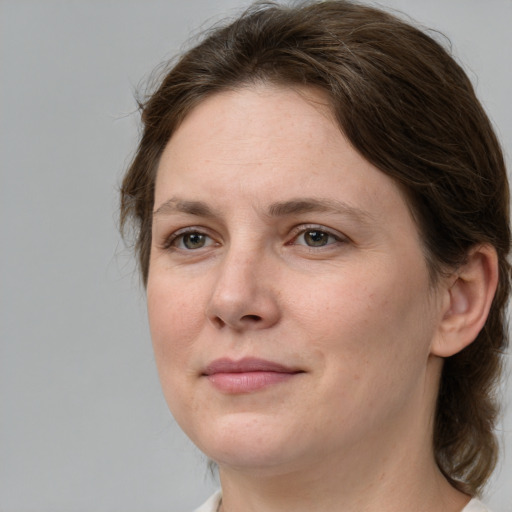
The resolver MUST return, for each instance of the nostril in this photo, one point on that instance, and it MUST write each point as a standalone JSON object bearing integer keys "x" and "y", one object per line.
{"x": 218, "y": 322}
{"x": 252, "y": 318}
{"x": 246, "y": 319}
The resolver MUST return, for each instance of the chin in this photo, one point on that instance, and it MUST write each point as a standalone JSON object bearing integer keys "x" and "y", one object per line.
{"x": 245, "y": 441}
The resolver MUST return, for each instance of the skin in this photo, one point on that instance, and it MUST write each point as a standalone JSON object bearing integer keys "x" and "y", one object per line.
{"x": 357, "y": 315}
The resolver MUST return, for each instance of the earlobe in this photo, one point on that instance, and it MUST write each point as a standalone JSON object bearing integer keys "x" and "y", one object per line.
{"x": 468, "y": 298}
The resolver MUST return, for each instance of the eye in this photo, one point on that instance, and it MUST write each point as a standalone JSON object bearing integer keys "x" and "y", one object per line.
{"x": 190, "y": 241}
{"x": 315, "y": 237}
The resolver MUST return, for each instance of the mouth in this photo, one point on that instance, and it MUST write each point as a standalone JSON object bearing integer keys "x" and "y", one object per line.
{"x": 247, "y": 375}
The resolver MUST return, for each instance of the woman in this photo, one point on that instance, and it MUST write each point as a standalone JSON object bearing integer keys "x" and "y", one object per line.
{"x": 321, "y": 212}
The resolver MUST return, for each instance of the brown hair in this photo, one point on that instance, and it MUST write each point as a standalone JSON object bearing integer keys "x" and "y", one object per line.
{"x": 409, "y": 109}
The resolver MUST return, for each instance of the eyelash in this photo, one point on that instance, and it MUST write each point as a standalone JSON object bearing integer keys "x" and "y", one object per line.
{"x": 171, "y": 243}
{"x": 303, "y": 229}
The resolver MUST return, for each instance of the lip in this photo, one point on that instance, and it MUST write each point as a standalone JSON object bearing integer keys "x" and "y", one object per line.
{"x": 247, "y": 375}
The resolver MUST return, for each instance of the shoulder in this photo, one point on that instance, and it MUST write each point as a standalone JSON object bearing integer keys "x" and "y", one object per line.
{"x": 212, "y": 504}
{"x": 476, "y": 506}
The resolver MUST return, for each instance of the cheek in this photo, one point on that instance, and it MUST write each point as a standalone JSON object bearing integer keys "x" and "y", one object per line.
{"x": 176, "y": 315}
{"x": 373, "y": 345}
{"x": 175, "y": 320}
{"x": 379, "y": 322}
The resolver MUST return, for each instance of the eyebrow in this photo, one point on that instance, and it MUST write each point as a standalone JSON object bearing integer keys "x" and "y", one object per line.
{"x": 296, "y": 206}
{"x": 309, "y": 204}
{"x": 175, "y": 205}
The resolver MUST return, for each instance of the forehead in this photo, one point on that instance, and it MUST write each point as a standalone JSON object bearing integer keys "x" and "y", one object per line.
{"x": 268, "y": 116}
{"x": 252, "y": 126}
{"x": 268, "y": 144}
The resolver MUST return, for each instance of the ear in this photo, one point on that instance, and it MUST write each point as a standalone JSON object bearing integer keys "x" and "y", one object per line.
{"x": 467, "y": 299}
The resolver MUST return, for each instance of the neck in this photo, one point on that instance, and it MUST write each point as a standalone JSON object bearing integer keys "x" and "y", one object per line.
{"x": 351, "y": 487}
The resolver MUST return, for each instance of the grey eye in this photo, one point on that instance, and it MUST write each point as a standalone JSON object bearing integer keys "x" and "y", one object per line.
{"x": 193, "y": 240}
{"x": 315, "y": 238}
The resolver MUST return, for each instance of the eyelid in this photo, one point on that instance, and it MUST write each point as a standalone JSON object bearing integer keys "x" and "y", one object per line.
{"x": 169, "y": 241}
{"x": 302, "y": 228}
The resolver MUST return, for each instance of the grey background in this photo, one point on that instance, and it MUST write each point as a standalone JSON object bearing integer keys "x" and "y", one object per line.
{"x": 83, "y": 425}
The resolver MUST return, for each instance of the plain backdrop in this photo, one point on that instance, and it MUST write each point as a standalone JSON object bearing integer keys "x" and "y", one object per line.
{"x": 83, "y": 425}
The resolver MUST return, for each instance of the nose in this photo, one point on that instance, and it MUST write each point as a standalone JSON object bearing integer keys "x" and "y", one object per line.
{"x": 244, "y": 296}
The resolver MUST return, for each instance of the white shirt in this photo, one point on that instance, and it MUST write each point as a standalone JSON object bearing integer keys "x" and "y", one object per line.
{"x": 213, "y": 502}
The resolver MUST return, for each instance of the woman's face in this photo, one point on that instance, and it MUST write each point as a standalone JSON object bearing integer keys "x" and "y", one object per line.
{"x": 289, "y": 299}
